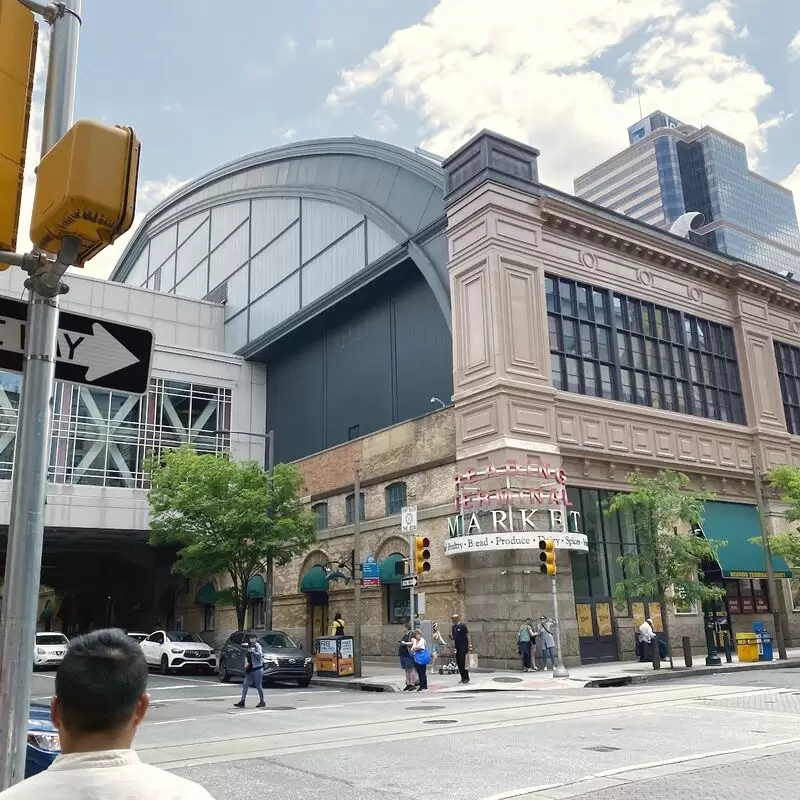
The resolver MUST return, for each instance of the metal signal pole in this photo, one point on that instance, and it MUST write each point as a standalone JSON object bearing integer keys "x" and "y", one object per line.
{"x": 357, "y": 573}
{"x": 32, "y": 448}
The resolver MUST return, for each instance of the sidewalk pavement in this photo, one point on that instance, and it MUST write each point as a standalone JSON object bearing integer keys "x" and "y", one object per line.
{"x": 379, "y": 677}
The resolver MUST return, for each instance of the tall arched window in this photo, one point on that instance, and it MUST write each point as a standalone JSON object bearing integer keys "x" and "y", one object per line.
{"x": 349, "y": 508}
{"x": 320, "y": 512}
{"x": 395, "y": 497}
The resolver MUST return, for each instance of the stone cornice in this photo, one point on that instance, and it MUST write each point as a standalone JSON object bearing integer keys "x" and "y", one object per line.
{"x": 662, "y": 249}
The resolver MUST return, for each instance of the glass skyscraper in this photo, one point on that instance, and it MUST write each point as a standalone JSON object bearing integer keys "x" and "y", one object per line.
{"x": 671, "y": 168}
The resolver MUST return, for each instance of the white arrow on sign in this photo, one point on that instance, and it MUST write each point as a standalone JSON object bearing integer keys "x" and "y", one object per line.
{"x": 100, "y": 352}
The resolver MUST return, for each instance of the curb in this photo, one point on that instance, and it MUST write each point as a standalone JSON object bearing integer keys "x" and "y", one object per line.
{"x": 354, "y": 685}
{"x": 679, "y": 673}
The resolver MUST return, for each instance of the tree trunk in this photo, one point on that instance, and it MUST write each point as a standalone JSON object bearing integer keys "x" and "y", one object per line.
{"x": 241, "y": 613}
{"x": 268, "y": 597}
{"x": 665, "y": 619}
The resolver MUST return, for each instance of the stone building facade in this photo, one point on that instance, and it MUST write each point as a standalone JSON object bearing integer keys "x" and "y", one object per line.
{"x": 589, "y": 342}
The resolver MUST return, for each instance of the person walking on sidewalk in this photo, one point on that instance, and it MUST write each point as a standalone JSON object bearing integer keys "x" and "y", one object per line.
{"x": 462, "y": 643}
{"x": 253, "y": 672}
{"x": 547, "y": 642}
{"x": 422, "y": 658}
{"x": 526, "y": 639}
{"x": 337, "y": 626}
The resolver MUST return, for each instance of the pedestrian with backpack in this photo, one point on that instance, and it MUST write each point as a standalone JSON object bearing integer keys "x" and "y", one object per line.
{"x": 422, "y": 657}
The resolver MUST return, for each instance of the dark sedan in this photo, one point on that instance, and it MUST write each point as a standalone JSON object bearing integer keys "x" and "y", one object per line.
{"x": 43, "y": 744}
{"x": 284, "y": 660}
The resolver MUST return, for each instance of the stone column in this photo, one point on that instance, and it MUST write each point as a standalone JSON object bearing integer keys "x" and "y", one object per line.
{"x": 503, "y": 396}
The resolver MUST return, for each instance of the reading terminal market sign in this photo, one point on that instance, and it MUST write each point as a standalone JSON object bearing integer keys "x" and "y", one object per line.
{"x": 513, "y": 517}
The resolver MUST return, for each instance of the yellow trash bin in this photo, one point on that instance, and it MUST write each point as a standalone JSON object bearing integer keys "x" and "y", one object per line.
{"x": 747, "y": 647}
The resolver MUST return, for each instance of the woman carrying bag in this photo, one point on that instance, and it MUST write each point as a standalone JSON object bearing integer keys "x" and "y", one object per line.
{"x": 422, "y": 658}
{"x": 526, "y": 641}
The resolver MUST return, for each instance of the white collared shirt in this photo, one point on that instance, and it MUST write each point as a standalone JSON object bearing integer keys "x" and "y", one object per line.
{"x": 106, "y": 774}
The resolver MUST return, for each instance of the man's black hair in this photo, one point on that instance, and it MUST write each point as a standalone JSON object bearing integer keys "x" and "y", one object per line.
{"x": 100, "y": 681}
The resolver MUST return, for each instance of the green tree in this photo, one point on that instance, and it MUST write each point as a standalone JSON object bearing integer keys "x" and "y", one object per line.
{"x": 786, "y": 480}
{"x": 657, "y": 506}
{"x": 227, "y": 517}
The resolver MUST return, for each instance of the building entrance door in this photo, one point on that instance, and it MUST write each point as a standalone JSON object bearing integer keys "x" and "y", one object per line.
{"x": 319, "y": 617}
{"x": 596, "y": 630}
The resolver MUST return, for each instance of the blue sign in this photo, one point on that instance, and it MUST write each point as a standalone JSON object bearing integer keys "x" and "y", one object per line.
{"x": 370, "y": 573}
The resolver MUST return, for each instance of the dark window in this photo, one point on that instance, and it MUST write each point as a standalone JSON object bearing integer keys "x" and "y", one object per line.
{"x": 609, "y": 345}
{"x": 596, "y": 573}
{"x": 747, "y": 596}
{"x": 320, "y": 512}
{"x": 788, "y": 359}
{"x": 349, "y": 507}
{"x": 395, "y": 498}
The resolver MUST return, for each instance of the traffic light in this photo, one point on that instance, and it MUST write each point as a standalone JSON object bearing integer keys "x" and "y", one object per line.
{"x": 422, "y": 554}
{"x": 400, "y": 567}
{"x": 86, "y": 188}
{"x": 547, "y": 557}
{"x": 18, "y": 33}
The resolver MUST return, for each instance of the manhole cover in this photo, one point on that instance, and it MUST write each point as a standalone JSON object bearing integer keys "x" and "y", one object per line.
{"x": 424, "y": 708}
{"x": 213, "y": 699}
{"x": 602, "y": 748}
{"x": 507, "y": 680}
{"x": 280, "y": 708}
{"x": 439, "y": 721}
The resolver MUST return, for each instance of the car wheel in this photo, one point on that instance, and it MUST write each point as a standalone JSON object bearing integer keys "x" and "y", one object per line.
{"x": 224, "y": 676}
{"x": 165, "y": 665}
{"x": 304, "y": 682}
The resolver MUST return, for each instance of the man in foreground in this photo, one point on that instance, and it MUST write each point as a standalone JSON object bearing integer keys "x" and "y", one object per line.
{"x": 100, "y": 701}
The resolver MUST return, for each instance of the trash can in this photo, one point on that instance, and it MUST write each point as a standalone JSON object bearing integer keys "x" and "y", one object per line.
{"x": 765, "y": 651}
{"x": 747, "y": 647}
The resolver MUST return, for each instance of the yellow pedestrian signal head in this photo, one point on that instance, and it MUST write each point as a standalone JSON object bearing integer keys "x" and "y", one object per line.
{"x": 86, "y": 188}
{"x": 547, "y": 557}
{"x": 18, "y": 32}
{"x": 422, "y": 554}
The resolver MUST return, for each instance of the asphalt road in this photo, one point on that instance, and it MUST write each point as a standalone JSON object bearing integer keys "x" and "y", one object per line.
{"x": 705, "y": 738}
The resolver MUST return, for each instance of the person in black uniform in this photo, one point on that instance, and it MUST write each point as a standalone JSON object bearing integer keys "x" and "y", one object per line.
{"x": 462, "y": 645}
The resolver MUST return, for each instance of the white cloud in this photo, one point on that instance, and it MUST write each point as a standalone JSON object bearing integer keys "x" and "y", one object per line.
{"x": 324, "y": 44}
{"x": 794, "y": 47}
{"x": 525, "y": 70}
{"x": 284, "y": 133}
{"x": 170, "y": 108}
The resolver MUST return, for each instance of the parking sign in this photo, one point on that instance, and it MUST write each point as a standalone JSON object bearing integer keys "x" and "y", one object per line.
{"x": 409, "y": 518}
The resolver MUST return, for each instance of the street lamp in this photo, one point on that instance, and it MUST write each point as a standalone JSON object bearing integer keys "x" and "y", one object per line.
{"x": 437, "y": 400}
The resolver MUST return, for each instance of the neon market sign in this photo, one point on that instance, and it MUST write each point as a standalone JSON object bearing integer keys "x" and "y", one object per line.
{"x": 513, "y": 517}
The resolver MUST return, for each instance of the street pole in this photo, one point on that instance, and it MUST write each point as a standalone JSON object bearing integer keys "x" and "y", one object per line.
{"x": 32, "y": 447}
{"x": 412, "y": 568}
{"x": 356, "y": 575}
{"x": 771, "y": 586}
{"x": 559, "y": 671}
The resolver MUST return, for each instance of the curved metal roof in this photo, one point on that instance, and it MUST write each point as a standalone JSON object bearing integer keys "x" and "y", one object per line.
{"x": 400, "y": 191}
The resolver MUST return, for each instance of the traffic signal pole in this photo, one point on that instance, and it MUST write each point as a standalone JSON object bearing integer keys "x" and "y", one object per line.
{"x": 357, "y": 573}
{"x": 32, "y": 447}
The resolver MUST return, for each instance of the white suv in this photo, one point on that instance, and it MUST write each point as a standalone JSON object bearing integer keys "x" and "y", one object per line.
{"x": 50, "y": 650}
{"x": 178, "y": 650}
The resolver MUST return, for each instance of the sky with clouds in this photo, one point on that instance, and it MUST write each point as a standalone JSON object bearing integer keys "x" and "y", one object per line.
{"x": 205, "y": 82}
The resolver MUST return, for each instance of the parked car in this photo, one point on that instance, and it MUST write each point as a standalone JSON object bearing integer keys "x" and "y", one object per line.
{"x": 43, "y": 744}
{"x": 50, "y": 649}
{"x": 284, "y": 659}
{"x": 178, "y": 650}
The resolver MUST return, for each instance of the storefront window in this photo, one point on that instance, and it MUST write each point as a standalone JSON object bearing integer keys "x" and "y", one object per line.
{"x": 397, "y": 604}
{"x": 747, "y": 596}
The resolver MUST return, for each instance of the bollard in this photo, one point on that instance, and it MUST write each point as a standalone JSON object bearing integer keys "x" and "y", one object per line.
{"x": 655, "y": 654}
{"x": 726, "y": 640}
{"x": 687, "y": 651}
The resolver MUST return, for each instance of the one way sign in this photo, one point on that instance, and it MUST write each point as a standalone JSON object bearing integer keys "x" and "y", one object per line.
{"x": 90, "y": 351}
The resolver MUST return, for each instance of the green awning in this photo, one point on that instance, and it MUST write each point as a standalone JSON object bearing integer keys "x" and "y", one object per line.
{"x": 206, "y": 595}
{"x": 736, "y": 524}
{"x": 256, "y": 588}
{"x": 315, "y": 580}
{"x": 387, "y": 568}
